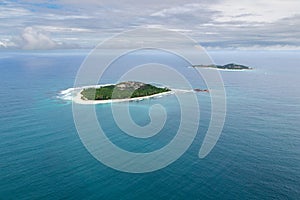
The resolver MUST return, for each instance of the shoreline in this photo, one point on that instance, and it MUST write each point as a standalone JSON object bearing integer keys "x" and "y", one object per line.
{"x": 225, "y": 70}
{"x": 77, "y": 98}
{"x": 74, "y": 94}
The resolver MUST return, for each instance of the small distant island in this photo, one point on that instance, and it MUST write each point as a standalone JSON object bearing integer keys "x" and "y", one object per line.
{"x": 230, "y": 66}
{"x": 123, "y": 90}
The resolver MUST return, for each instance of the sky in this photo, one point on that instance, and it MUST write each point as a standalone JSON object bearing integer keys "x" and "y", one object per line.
{"x": 214, "y": 24}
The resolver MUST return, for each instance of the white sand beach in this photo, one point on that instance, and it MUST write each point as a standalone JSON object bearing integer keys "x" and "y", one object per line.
{"x": 79, "y": 100}
{"x": 74, "y": 94}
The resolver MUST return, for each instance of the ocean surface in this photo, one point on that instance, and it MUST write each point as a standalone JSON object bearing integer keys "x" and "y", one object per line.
{"x": 256, "y": 157}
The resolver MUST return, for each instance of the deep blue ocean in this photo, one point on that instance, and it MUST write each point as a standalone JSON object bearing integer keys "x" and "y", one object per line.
{"x": 256, "y": 157}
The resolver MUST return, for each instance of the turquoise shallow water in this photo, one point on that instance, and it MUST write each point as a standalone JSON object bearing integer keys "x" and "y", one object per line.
{"x": 257, "y": 156}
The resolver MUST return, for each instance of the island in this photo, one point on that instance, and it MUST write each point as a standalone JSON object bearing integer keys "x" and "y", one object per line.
{"x": 123, "y": 90}
{"x": 231, "y": 66}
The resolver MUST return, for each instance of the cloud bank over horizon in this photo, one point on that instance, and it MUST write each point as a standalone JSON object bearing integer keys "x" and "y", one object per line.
{"x": 32, "y": 38}
{"x": 215, "y": 24}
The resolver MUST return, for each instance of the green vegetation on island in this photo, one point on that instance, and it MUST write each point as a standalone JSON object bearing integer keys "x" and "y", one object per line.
{"x": 124, "y": 90}
{"x": 231, "y": 66}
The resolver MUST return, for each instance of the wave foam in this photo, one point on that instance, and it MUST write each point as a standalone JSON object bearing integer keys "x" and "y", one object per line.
{"x": 70, "y": 93}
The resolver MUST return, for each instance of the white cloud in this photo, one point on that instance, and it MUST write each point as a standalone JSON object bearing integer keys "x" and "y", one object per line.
{"x": 271, "y": 47}
{"x": 257, "y": 48}
{"x": 215, "y": 23}
{"x": 3, "y": 44}
{"x": 177, "y": 10}
{"x": 8, "y": 12}
{"x": 7, "y": 43}
{"x": 61, "y": 29}
{"x": 66, "y": 17}
{"x": 35, "y": 39}
{"x": 255, "y": 11}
